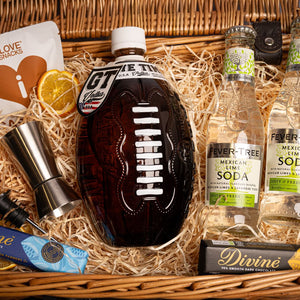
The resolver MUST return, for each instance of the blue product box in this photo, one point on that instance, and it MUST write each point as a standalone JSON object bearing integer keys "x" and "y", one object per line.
{"x": 39, "y": 253}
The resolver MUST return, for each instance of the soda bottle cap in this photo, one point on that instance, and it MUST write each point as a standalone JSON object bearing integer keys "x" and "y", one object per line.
{"x": 128, "y": 37}
{"x": 242, "y": 29}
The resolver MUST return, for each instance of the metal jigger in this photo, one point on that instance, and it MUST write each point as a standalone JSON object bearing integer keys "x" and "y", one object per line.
{"x": 31, "y": 149}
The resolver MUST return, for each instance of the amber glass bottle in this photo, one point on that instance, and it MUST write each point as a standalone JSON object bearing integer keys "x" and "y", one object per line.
{"x": 134, "y": 148}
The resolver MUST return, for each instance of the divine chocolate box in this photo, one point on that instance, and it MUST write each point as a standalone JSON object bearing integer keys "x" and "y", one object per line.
{"x": 217, "y": 256}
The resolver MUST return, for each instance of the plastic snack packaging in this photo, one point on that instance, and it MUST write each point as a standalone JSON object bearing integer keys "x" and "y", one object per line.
{"x": 25, "y": 54}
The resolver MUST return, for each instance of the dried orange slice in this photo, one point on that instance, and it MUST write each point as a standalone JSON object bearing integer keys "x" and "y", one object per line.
{"x": 6, "y": 264}
{"x": 58, "y": 89}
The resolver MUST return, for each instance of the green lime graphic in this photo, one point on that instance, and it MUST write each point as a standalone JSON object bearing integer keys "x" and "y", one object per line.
{"x": 294, "y": 54}
{"x": 239, "y": 61}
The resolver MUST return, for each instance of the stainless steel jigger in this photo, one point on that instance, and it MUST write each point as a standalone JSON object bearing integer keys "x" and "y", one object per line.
{"x": 32, "y": 151}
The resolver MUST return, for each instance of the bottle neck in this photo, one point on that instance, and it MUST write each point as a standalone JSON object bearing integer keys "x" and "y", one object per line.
{"x": 239, "y": 40}
{"x": 293, "y": 61}
{"x": 239, "y": 58}
{"x": 129, "y": 54}
{"x": 295, "y": 32}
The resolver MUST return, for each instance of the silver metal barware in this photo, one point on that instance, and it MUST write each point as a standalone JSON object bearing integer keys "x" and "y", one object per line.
{"x": 32, "y": 152}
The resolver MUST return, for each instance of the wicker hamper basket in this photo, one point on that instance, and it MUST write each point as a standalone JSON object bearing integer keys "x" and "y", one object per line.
{"x": 185, "y": 27}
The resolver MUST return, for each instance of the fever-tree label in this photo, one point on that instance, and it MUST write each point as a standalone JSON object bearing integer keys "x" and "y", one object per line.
{"x": 239, "y": 64}
{"x": 293, "y": 62}
{"x": 233, "y": 174}
{"x": 283, "y": 161}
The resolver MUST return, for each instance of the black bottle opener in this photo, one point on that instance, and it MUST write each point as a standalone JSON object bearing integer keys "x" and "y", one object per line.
{"x": 16, "y": 215}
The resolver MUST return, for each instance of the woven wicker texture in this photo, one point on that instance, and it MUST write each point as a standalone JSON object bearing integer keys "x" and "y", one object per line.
{"x": 202, "y": 24}
{"x": 96, "y": 18}
{"x": 270, "y": 285}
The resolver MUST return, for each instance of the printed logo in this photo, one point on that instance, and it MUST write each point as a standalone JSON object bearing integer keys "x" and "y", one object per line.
{"x": 283, "y": 161}
{"x": 99, "y": 83}
{"x": 96, "y": 89}
{"x": 239, "y": 61}
{"x": 234, "y": 257}
{"x": 232, "y": 174}
{"x": 52, "y": 252}
{"x": 15, "y": 85}
{"x": 139, "y": 70}
{"x": 10, "y": 49}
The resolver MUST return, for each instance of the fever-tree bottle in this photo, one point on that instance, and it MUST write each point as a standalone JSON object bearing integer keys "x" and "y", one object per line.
{"x": 281, "y": 202}
{"x": 235, "y": 141}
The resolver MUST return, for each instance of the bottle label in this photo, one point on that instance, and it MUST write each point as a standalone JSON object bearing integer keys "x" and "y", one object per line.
{"x": 283, "y": 161}
{"x": 233, "y": 174}
{"x": 293, "y": 61}
{"x": 239, "y": 64}
{"x": 101, "y": 79}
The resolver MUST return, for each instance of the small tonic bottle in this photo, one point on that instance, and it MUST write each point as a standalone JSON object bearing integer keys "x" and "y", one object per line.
{"x": 134, "y": 150}
{"x": 281, "y": 201}
{"x": 235, "y": 142}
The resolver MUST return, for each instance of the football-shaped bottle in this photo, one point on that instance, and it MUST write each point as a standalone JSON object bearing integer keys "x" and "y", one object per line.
{"x": 134, "y": 148}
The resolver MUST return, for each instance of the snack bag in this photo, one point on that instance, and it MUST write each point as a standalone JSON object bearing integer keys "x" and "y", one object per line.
{"x": 25, "y": 54}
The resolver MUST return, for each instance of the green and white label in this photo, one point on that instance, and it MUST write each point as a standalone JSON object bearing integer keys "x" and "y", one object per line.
{"x": 293, "y": 61}
{"x": 283, "y": 161}
{"x": 239, "y": 64}
{"x": 233, "y": 174}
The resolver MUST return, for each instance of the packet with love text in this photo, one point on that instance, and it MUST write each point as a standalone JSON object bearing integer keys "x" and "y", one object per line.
{"x": 25, "y": 54}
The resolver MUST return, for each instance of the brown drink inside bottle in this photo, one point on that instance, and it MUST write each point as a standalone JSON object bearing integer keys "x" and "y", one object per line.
{"x": 134, "y": 150}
